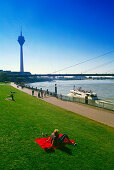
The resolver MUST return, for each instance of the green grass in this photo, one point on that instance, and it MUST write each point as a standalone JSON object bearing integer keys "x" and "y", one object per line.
{"x": 25, "y": 119}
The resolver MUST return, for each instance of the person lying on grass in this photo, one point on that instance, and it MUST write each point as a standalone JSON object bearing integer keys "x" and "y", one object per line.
{"x": 58, "y": 141}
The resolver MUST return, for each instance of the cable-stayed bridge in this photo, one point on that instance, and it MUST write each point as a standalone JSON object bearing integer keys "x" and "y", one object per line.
{"x": 51, "y": 75}
{"x": 59, "y": 75}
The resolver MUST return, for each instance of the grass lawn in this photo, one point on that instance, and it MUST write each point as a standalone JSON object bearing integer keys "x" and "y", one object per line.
{"x": 24, "y": 120}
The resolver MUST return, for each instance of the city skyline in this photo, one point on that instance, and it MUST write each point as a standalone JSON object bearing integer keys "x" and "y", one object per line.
{"x": 58, "y": 34}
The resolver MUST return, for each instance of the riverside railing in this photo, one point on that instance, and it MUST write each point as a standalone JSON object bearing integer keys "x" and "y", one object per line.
{"x": 98, "y": 103}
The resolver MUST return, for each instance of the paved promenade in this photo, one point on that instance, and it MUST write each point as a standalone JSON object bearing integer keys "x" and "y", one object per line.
{"x": 97, "y": 114}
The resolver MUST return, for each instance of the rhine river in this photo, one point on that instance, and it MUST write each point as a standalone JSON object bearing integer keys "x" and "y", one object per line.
{"x": 103, "y": 88}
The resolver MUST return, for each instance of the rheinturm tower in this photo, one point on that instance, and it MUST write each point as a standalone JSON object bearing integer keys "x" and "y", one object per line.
{"x": 21, "y": 41}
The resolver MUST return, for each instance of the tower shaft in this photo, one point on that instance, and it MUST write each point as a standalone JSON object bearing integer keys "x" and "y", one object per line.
{"x": 21, "y": 59}
{"x": 21, "y": 41}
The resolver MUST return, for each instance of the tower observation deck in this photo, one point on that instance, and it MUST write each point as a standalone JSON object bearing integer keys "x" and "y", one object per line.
{"x": 21, "y": 41}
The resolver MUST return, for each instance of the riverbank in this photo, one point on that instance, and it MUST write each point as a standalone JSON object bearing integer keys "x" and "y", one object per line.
{"x": 97, "y": 114}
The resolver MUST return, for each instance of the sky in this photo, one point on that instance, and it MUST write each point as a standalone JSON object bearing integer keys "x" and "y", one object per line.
{"x": 58, "y": 34}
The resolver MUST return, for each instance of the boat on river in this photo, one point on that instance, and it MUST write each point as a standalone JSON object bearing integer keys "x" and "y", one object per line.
{"x": 79, "y": 93}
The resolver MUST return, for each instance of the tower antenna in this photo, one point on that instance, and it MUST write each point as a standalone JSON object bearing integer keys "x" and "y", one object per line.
{"x": 21, "y": 31}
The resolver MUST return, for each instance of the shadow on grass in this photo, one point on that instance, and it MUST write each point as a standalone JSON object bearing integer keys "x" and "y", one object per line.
{"x": 49, "y": 150}
{"x": 65, "y": 149}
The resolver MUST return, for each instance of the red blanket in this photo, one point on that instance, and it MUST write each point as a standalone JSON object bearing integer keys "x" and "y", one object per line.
{"x": 44, "y": 144}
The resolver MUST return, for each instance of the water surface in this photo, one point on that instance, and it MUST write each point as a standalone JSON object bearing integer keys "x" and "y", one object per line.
{"x": 103, "y": 88}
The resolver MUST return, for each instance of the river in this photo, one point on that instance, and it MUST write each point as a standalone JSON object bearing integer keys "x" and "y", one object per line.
{"x": 103, "y": 88}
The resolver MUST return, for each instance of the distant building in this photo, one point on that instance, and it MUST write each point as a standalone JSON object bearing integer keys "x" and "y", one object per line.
{"x": 79, "y": 77}
{"x": 61, "y": 78}
{"x": 15, "y": 73}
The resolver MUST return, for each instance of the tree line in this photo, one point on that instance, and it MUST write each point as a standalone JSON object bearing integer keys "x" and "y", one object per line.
{"x": 4, "y": 77}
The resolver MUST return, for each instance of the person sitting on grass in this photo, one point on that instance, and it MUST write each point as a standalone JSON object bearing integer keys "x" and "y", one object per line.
{"x": 58, "y": 141}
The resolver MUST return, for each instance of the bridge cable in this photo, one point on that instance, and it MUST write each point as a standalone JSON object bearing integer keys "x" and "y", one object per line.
{"x": 84, "y": 61}
{"x": 108, "y": 71}
{"x": 110, "y": 62}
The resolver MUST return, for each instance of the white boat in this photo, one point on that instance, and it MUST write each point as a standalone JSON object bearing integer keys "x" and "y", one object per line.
{"x": 83, "y": 94}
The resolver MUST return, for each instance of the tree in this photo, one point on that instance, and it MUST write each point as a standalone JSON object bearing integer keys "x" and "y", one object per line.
{"x": 3, "y": 77}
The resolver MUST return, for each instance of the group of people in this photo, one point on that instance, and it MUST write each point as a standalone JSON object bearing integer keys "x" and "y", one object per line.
{"x": 41, "y": 93}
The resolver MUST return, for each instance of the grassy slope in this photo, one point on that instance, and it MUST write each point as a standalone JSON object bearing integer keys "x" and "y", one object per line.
{"x": 25, "y": 119}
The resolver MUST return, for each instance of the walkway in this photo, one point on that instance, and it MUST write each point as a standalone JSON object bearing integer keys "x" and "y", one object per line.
{"x": 97, "y": 114}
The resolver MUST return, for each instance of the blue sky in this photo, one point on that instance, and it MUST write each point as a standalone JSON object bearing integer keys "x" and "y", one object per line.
{"x": 58, "y": 34}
